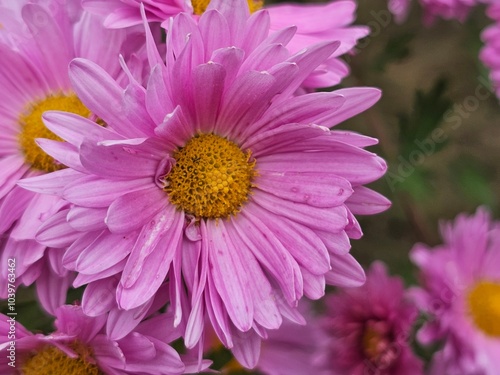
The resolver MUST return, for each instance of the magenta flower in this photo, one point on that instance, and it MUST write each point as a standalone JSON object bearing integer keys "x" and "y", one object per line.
{"x": 80, "y": 346}
{"x": 216, "y": 177}
{"x": 36, "y": 44}
{"x": 447, "y": 9}
{"x": 461, "y": 292}
{"x": 400, "y": 9}
{"x": 369, "y": 328}
{"x": 490, "y": 54}
{"x": 493, "y": 11}
{"x": 315, "y": 23}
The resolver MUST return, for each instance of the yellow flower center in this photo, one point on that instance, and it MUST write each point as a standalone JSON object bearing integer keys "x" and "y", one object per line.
{"x": 32, "y": 127}
{"x": 484, "y": 307}
{"x": 377, "y": 344}
{"x": 199, "y": 6}
{"x": 371, "y": 342}
{"x": 211, "y": 178}
{"x": 52, "y": 361}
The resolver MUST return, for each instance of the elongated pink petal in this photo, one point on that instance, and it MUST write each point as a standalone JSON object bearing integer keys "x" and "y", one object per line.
{"x": 56, "y": 49}
{"x": 97, "y": 257}
{"x": 268, "y": 250}
{"x": 365, "y": 201}
{"x": 133, "y": 210}
{"x": 119, "y": 160}
{"x": 98, "y": 91}
{"x": 12, "y": 168}
{"x": 266, "y": 312}
{"x": 230, "y": 281}
{"x": 313, "y": 188}
{"x": 332, "y": 218}
{"x": 150, "y": 260}
{"x": 92, "y": 191}
{"x": 300, "y": 241}
{"x": 50, "y": 183}
{"x": 56, "y": 232}
{"x": 346, "y": 272}
{"x": 247, "y": 348}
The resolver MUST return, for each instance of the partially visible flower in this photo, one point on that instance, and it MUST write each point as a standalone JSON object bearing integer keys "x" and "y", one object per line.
{"x": 400, "y": 9}
{"x": 461, "y": 293}
{"x": 369, "y": 327}
{"x": 79, "y": 346}
{"x": 490, "y": 54}
{"x": 294, "y": 348}
{"x": 447, "y": 9}
{"x": 217, "y": 177}
{"x": 493, "y": 12}
{"x": 315, "y": 23}
{"x": 37, "y": 42}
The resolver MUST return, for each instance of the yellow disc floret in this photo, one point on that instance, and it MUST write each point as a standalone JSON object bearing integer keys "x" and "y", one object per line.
{"x": 484, "y": 307}
{"x": 32, "y": 127}
{"x": 52, "y": 361}
{"x": 212, "y": 177}
{"x": 199, "y": 6}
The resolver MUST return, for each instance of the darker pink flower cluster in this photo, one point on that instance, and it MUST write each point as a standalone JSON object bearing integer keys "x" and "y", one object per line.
{"x": 369, "y": 328}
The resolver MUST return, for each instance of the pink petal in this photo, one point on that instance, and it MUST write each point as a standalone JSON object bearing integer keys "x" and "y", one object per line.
{"x": 300, "y": 241}
{"x": 73, "y": 128}
{"x": 99, "y": 296}
{"x": 357, "y": 100}
{"x": 50, "y": 183}
{"x": 97, "y": 257}
{"x": 346, "y": 272}
{"x": 12, "y": 168}
{"x": 126, "y": 161}
{"x": 93, "y": 191}
{"x": 312, "y": 188}
{"x": 246, "y": 348}
{"x": 365, "y": 201}
{"x": 87, "y": 219}
{"x": 99, "y": 92}
{"x": 356, "y": 165}
{"x": 229, "y": 276}
{"x": 266, "y": 312}
{"x": 56, "y": 232}
{"x": 150, "y": 259}
{"x": 332, "y": 219}
{"x": 270, "y": 253}
{"x": 54, "y": 45}
{"x": 133, "y": 210}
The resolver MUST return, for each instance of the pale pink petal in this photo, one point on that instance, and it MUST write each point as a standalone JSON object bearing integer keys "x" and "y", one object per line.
{"x": 133, "y": 210}
{"x": 229, "y": 280}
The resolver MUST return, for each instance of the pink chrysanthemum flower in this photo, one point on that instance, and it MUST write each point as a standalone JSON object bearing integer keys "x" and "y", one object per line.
{"x": 369, "y": 328}
{"x": 490, "y": 54}
{"x": 400, "y": 9}
{"x": 447, "y": 9}
{"x": 217, "y": 177}
{"x": 315, "y": 23}
{"x": 493, "y": 12}
{"x": 461, "y": 292}
{"x": 79, "y": 346}
{"x": 36, "y": 44}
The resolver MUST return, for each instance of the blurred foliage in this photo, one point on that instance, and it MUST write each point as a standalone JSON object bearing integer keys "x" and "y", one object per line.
{"x": 396, "y": 49}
